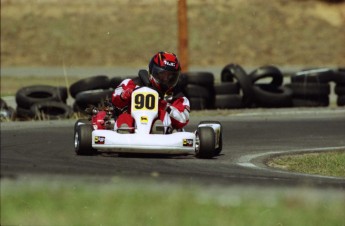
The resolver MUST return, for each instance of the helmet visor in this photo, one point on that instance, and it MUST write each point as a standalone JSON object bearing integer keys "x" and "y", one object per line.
{"x": 167, "y": 79}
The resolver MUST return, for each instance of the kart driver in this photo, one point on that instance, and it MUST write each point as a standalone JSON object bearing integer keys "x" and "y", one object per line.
{"x": 173, "y": 107}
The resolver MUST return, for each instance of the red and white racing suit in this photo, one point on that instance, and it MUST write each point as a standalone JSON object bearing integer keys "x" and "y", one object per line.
{"x": 173, "y": 113}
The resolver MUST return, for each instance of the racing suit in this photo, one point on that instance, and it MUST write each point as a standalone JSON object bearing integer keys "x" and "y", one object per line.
{"x": 173, "y": 111}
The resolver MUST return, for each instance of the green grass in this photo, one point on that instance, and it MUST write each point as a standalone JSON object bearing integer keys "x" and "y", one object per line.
{"x": 124, "y": 203}
{"x": 328, "y": 164}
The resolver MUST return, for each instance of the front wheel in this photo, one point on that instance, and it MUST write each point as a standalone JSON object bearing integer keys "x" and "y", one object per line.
{"x": 205, "y": 143}
{"x": 218, "y": 129}
{"x": 83, "y": 140}
{"x": 80, "y": 122}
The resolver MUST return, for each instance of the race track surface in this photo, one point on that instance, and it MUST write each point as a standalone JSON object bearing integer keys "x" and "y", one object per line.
{"x": 46, "y": 148}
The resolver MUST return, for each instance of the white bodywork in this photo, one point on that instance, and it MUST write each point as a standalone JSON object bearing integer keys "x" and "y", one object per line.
{"x": 144, "y": 110}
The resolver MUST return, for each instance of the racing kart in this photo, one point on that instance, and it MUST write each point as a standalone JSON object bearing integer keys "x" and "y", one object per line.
{"x": 89, "y": 138}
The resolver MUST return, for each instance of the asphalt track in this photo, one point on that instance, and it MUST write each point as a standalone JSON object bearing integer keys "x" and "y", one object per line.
{"x": 46, "y": 148}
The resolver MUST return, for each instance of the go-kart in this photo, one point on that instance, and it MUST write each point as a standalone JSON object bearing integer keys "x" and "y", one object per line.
{"x": 205, "y": 142}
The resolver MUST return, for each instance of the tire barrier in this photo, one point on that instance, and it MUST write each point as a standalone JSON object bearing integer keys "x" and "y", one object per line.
{"x": 199, "y": 89}
{"x": 311, "y": 87}
{"x": 50, "y": 110}
{"x": 90, "y": 83}
{"x": 92, "y": 91}
{"x": 263, "y": 87}
{"x": 270, "y": 94}
{"x": 27, "y": 96}
{"x": 236, "y": 74}
{"x": 30, "y": 96}
{"x": 91, "y": 97}
{"x": 340, "y": 91}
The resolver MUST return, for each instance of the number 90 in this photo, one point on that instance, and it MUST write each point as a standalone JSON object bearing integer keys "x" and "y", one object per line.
{"x": 144, "y": 101}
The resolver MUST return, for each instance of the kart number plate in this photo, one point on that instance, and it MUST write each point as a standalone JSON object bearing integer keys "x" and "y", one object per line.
{"x": 147, "y": 101}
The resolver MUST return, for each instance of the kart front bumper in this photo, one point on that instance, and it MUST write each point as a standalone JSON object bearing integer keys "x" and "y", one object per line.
{"x": 176, "y": 143}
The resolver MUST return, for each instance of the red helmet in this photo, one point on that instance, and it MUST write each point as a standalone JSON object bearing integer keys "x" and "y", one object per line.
{"x": 165, "y": 70}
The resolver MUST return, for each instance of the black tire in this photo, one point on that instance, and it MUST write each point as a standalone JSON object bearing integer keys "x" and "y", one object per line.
{"x": 77, "y": 108}
{"x": 267, "y": 72}
{"x": 182, "y": 81}
{"x": 81, "y": 122}
{"x": 205, "y": 79}
{"x": 205, "y": 147}
{"x": 268, "y": 95}
{"x": 322, "y": 101}
{"x": 63, "y": 92}
{"x": 220, "y": 146}
{"x": 237, "y": 72}
{"x": 92, "y": 97}
{"x": 27, "y": 96}
{"x": 339, "y": 89}
{"x": 227, "y": 88}
{"x": 339, "y": 76}
{"x": 226, "y": 74}
{"x": 314, "y": 75}
{"x": 309, "y": 89}
{"x": 24, "y": 113}
{"x": 229, "y": 101}
{"x": 197, "y": 91}
{"x": 91, "y": 83}
{"x": 341, "y": 100}
{"x": 83, "y": 140}
{"x": 51, "y": 110}
{"x": 197, "y": 103}
{"x": 115, "y": 82}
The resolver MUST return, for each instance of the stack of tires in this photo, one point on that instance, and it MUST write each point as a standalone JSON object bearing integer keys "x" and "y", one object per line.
{"x": 339, "y": 89}
{"x": 91, "y": 91}
{"x": 235, "y": 89}
{"x": 240, "y": 90}
{"x": 42, "y": 102}
{"x": 199, "y": 89}
{"x": 311, "y": 87}
{"x": 270, "y": 94}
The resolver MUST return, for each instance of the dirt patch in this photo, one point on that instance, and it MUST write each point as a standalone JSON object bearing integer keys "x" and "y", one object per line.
{"x": 127, "y": 33}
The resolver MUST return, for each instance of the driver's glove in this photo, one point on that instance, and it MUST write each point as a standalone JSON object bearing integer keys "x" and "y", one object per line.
{"x": 177, "y": 115}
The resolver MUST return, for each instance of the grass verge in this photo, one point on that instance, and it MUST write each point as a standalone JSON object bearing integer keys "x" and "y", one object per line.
{"x": 128, "y": 203}
{"x": 327, "y": 164}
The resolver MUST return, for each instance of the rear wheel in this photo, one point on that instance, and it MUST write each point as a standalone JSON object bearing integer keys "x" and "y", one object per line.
{"x": 83, "y": 140}
{"x": 205, "y": 143}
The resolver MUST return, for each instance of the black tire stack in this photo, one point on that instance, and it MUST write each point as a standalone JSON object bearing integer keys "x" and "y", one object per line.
{"x": 90, "y": 91}
{"x": 199, "y": 89}
{"x": 339, "y": 78}
{"x": 270, "y": 94}
{"x": 42, "y": 102}
{"x": 263, "y": 87}
{"x": 311, "y": 87}
{"x": 235, "y": 89}
{"x": 245, "y": 91}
